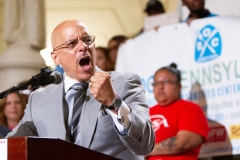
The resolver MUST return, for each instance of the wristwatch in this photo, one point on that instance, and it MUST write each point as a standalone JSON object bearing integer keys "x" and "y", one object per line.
{"x": 117, "y": 102}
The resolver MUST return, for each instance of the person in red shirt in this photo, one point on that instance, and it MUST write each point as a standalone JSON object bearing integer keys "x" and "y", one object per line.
{"x": 180, "y": 126}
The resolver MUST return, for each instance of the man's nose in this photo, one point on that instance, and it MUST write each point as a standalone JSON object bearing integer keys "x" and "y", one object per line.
{"x": 82, "y": 46}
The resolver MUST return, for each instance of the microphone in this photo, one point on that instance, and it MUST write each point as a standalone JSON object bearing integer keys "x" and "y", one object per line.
{"x": 44, "y": 78}
{"x": 55, "y": 78}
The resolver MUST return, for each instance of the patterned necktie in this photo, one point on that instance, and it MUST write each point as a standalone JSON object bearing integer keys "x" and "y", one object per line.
{"x": 80, "y": 94}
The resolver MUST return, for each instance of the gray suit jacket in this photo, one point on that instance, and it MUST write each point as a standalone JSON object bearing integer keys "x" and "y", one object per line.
{"x": 46, "y": 116}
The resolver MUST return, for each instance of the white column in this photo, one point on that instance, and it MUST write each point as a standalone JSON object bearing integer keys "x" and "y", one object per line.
{"x": 24, "y": 34}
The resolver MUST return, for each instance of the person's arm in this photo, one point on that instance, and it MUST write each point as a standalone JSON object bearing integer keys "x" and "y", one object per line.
{"x": 139, "y": 136}
{"x": 183, "y": 141}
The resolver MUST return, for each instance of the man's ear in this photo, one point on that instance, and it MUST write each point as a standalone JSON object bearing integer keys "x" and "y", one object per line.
{"x": 55, "y": 57}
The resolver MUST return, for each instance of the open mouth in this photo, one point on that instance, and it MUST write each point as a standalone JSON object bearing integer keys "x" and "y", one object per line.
{"x": 84, "y": 62}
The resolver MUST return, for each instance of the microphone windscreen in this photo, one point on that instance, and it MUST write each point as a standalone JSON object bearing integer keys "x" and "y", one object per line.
{"x": 58, "y": 77}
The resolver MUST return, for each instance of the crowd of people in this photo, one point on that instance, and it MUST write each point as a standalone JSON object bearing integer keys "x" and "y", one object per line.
{"x": 116, "y": 101}
{"x": 107, "y": 57}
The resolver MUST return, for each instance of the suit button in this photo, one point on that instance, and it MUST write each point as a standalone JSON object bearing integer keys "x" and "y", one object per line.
{"x": 138, "y": 137}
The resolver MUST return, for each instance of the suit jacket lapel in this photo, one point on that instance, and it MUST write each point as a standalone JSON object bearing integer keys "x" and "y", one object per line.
{"x": 54, "y": 112}
{"x": 88, "y": 120}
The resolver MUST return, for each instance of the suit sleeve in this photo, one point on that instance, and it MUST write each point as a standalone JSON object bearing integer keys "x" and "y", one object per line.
{"x": 26, "y": 126}
{"x": 140, "y": 136}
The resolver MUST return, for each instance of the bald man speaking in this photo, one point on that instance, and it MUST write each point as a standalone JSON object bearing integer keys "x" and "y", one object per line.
{"x": 103, "y": 111}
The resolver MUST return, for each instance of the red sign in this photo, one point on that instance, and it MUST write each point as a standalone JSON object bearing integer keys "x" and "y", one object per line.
{"x": 217, "y": 134}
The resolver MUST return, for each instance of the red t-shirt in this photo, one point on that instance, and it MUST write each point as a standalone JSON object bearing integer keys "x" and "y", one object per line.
{"x": 180, "y": 115}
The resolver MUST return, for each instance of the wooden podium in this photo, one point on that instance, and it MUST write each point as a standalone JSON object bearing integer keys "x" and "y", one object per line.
{"x": 35, "y": 148}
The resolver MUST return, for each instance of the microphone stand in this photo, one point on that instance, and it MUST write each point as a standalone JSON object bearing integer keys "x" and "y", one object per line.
{"x": 37, "y": 80}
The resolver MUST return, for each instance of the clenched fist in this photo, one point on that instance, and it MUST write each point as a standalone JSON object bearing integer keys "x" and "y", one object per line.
{"x": 101, "y": 88}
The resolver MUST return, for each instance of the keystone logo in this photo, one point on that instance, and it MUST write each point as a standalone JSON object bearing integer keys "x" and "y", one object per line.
{"x": 208, "y": 44}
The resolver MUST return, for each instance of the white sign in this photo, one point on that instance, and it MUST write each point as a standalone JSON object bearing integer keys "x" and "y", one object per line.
{"x": 3, "y": 149}
{"x": 151, "y": 22}
{"x": 208, "y": 54}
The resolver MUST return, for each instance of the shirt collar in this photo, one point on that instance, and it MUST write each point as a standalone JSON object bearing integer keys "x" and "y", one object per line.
{"x": 68, "y": 82}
